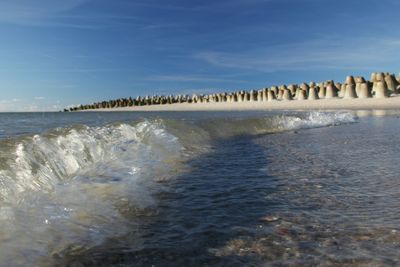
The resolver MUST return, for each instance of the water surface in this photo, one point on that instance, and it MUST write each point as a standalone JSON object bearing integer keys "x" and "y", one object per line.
{"x": 199, "y": 189}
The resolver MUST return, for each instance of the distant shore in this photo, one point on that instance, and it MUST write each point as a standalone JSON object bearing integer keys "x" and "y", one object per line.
{"x": 382, "y": 91}
{"x": 320, "y": 104}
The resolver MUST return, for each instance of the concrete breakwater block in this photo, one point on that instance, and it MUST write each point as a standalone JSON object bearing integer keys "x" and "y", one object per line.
{"x": 259, "y": 96}
{"x": 296, "y": 94}
{"x": 350, "y": 91}
{"x": 253, "y": 96}
{"x": 246, "y": 97}
{"x": 280, "y": 94}
{"x": 350, "y": 80}
{"x": 331, "y": 92}
{"x": 275, "y": 90}
{"x": 292, "y": 88}
{"x": 364, "y": 90}
{"x": 313, "y": 93}
{"x": 264, "y": 95}
{"x": 213, "y": 98}
{"x": 216, "y": 98}
{"x": 374, "y": 79}
{"x": 195, "y": 98}
{"x": 381, "y": 90}
{"x": 304, "y": 86}
{"x": 271, "y": 95}
{"x": 322, "y": 91}
{"x": 359, "y": 80}
{"x": 358, "y": 86}
{"x": 222, "y": 97}
{"x": 286, "y": 95}
{"x": 234, "y": 98}
{"x": 301, "y": 94}
{"x": 342, "y": 90}
{"x": 379, "y": 77}
{"x": 240, "y": 96}
{"x": 391, "y": 83}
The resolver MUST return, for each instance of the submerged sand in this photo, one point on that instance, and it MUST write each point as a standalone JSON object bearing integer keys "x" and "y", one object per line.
{"x": 320, "y": 104}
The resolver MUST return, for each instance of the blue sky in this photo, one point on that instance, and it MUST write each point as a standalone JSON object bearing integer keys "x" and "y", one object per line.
{"x": 56, "y": 53}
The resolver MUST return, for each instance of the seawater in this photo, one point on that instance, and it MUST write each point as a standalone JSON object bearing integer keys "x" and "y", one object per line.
{"x": 199, "y": 189}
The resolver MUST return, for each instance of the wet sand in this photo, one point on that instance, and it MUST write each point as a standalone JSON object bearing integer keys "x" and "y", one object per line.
{"x": 320, "y": 104}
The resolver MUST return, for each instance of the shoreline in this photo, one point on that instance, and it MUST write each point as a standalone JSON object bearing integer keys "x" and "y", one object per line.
{"x": 389, "y": 103}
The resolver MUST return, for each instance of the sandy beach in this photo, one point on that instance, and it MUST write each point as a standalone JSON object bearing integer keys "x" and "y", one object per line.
{"x": 320, "y": 104}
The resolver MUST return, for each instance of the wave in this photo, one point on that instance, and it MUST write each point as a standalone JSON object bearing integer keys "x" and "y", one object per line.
{"x": 40, "y": 162}
{"x": 275, "y": 123}
{"x": 82, "y": 185}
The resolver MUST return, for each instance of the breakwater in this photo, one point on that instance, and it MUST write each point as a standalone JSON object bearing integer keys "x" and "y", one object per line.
{"x": 380, "y": 85}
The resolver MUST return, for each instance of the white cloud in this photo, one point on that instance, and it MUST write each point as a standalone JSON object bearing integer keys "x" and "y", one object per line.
{"x": 191, "y": 78}
{"x": 213, "y": 6}
{"x": 23, "y": 105}
{"x": 31, "y": 12}
{"x": 39, "y": 98}
{"x": 322, "y": 54}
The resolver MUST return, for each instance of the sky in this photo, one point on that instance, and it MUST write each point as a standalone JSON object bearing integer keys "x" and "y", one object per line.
{"x": 59, "y": 53}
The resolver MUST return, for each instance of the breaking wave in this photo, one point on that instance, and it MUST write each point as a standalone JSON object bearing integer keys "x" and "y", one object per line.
{"x": 41, "y": 162}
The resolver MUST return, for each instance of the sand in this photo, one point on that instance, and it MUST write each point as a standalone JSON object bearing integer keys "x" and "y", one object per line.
{"x": 320, "y": 104}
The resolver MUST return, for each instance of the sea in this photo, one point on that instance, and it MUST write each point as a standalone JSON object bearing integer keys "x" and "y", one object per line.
{"x": 257, "y": 188}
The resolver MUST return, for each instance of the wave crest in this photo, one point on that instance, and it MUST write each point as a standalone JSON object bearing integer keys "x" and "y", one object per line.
{"x": 42, "y": 161}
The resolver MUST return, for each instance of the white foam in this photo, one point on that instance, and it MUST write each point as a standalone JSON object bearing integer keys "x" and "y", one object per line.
{"x": 315, "y": 119}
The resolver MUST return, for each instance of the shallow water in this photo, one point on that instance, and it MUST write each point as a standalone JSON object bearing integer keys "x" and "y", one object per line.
{"x": 199, "y": 189}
